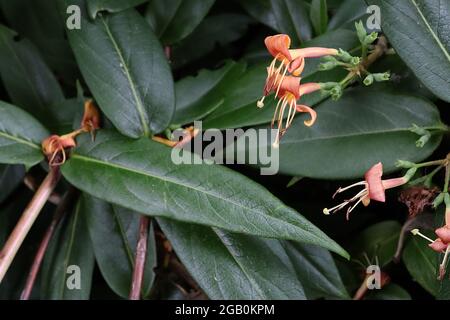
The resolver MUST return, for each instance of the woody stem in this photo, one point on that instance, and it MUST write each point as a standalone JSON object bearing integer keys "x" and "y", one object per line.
{"x": 27, "y": 219}
{"x": 139, "y": 263}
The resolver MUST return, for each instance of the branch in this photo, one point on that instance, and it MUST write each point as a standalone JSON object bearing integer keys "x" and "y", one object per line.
{"x": 64, "y": 206}
{"x": 139, "y": 264}
{"x": 33, "y": 185}
{"x": 27, "y": 219}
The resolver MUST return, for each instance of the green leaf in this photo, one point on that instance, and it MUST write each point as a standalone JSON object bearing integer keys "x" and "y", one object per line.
{"x": 239, "y": 107}
{"x": 70, "y": 113}
{"x": 285, "y": 16}
{"x": 378, "y": 242}
{"x": 114, "y": 233}
{"x": 366, "y": 126}
{"x": 316, "y": 271}
{"x": 418, "y": 30}
{"x": 198, "y": 96}
{"x": 143, "y": 178}
{"x": 27, "y": 79}
{"x": 95, "y": 6}
{"x": 10, "y": 179}
{"x": 390, "y": 292}
{"x": 233, "y": 266}
{"x": 348, "y": 12}
{"x": 420, "y": 261}
{"x": 174, "y": 22}
{"x": 214, "y": 31}
{"x": 40, "y": 22}
{"x": 126, "y": 70}
{"x": 20, "y": 136}
{"x": 69, "y": 261}
{"x": 319, "y": 16}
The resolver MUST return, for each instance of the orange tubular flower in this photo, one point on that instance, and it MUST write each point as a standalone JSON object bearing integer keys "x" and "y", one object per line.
{"x": 291, "y": 60}
{"x": 289, "y": 90}
{"x": 54, "y": 148}
{"x": 91, "y": 117}
{"x": 374, "y": 189}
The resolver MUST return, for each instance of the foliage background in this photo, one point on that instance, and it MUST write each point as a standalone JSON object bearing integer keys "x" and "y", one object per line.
{"x": 39, "y": 74}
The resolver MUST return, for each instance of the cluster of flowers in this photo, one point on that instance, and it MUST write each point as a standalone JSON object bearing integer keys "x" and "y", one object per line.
{"x": 284, "y": 77}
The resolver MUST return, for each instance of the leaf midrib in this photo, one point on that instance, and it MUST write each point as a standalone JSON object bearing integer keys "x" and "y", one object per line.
{"x": 430, "y": 29}
{"x": 138, "y": 102}
{"x": 350, "y": 135}
{"x": 19, "y": 140}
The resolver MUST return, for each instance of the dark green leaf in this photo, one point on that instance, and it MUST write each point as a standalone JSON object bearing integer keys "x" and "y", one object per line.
{"x": 316, "y": 271}
{"x": 20, "y": 136}
{"x": 28, "y": 80}
{"x": 378, "y": 243}
{"x": 198, "y": 96}
{"x": 348, "y": 12}
{"x": 418, "y": 30}
{"x": 421, "y": 262}
{"x": 233, "y": 266}
{"x": 217, "y": 30}
{"x": 173, "y": 22}
{"x": 10, "y": 178}
{"x": 126, "y": 70}
{"x": 350, "y": 135}
{"x": 69, "y": 258}
{"x": 142, "y": 177}
{"x": 114, "y": 233}
{"x": 391, "y": 292}
{"x": 319, "y": 16}
{"x": 39, "y": 21}
{"x": 285, "y": 16}
{"x": 95, "y": 6}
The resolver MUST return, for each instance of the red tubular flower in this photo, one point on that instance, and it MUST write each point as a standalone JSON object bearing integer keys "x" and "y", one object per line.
{"x": 374, "y": 189}
{"x": 91, "y": 117}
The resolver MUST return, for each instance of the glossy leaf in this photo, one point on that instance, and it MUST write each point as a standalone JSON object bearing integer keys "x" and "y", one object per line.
{"x": 114, "y": 233}
{"x": 319, "y": 16}
{"x": 27, "y": 79}
{"x": 174, "y": 22}
{"x": 421, "y": 263}
{"x": 20, "y": 136}
{"x": 233, "y": 266}
{"x": 362, "y": 128}
{"x": 200, "y": 95}
{"x": 347, "y": 14}
{"x": 40, "y": 22}
{"x": 126, "y": 70}
{"x": 69, "y": 261}
{"x": 418, "y": 30}
{"x": 239, "y": 107}
{"x": 285, "y": 16}
{"x": 10, "y": 178}
{"x": 142, "y": 177}
{"x": 214, "y": 31}
{"x": 316, "y": 271}
{"x": 378, "y": 242}
{"x": 95, "y": 6}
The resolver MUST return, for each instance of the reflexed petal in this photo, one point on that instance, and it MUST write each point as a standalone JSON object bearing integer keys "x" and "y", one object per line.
{"x": 278, "y": 45}
{"x": 312, "y": 113}
{"x": 374, "y": 183}
{"x": 290, "y": 85}
{"x": 443, "y": 233}
{"x": 438, "y": 245}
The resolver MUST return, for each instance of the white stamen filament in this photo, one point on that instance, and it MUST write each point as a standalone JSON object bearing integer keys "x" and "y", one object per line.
{"x": 359, "y": 196}
{"x": 349, "y": 187}
{"x": 416, "y": 232}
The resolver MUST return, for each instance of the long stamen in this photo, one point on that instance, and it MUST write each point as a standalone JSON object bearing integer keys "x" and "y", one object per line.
{"x": 349, "y": 187}
{"x": 443, "y": 264}
{"x": 281, "y": 115}
{"x": 360, "y": 196}
{"x": 416, "y": 232}
{"x": 275, "y": 113}
{"x": 291, "y": 111}
{"x": 350, "y": 209}
{"x": 281, "y": 79}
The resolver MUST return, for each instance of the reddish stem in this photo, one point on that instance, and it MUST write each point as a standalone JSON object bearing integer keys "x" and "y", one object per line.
{"x": 62, "y": 208}
{"x": 27, "y": 219}
{"x": 139, "y": 264}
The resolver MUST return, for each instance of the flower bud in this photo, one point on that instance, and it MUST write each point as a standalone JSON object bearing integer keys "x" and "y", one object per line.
{"x": 370, "y": 38}
{"x": 368, "y": 80}
{"x": 404, "y": 164}
{"x": 360, "y": 31}
{"x": 379, "y": 77}
{"x": 438, "y": 200}
{"x": 329, "y": 65}
{"x": 344, "y": 55}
